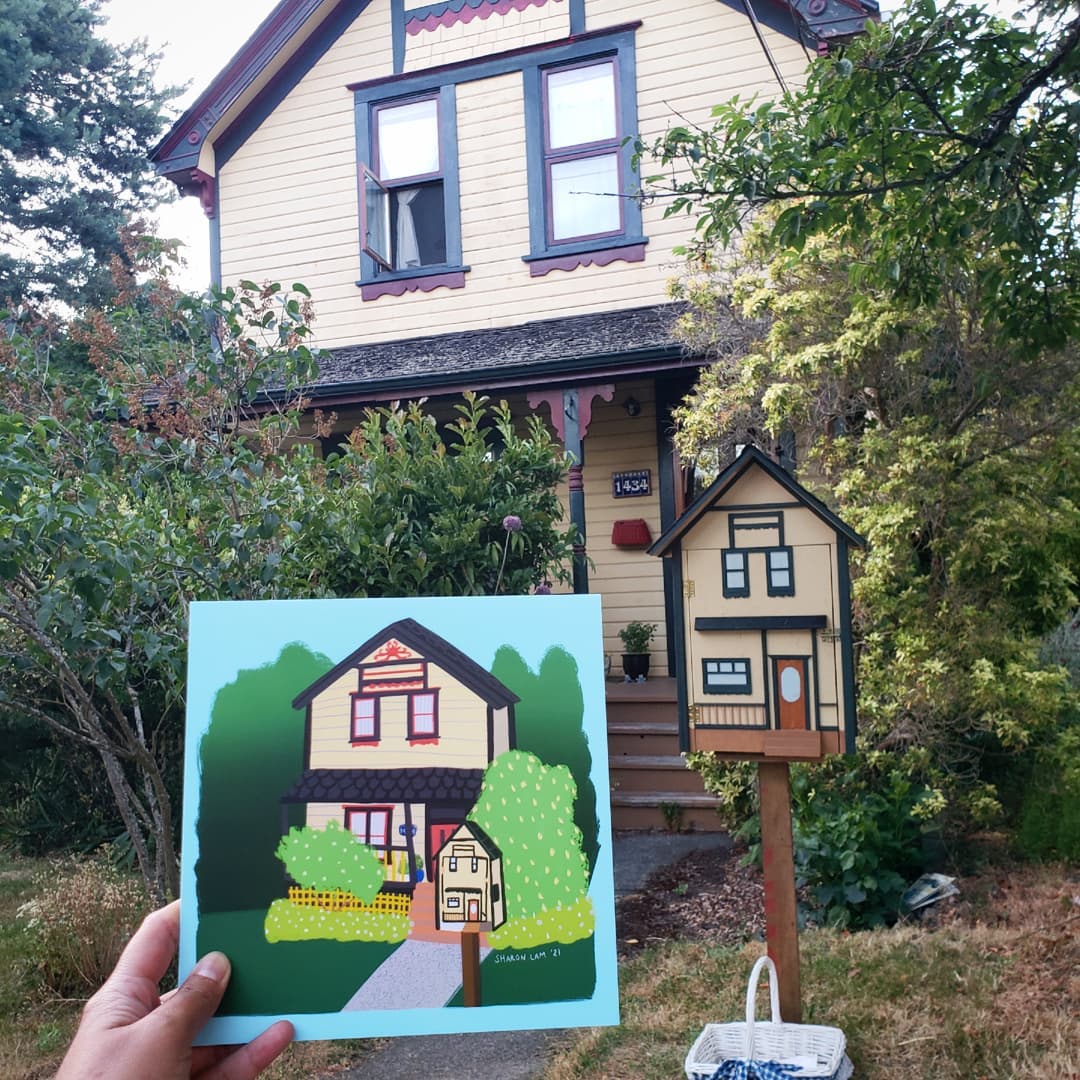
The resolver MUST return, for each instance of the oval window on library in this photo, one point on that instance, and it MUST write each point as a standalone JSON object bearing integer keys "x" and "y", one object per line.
{"x": 790, "y": 684}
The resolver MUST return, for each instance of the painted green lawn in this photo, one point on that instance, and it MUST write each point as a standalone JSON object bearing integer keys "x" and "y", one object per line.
{"x": 289, "y": 976}
{"x": 544, "y": 973}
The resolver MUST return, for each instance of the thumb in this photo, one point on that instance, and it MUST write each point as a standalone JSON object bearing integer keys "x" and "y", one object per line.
{"x": 195, "y": 1000}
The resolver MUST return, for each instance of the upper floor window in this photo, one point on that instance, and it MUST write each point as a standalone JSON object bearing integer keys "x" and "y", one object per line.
{"x": 424, "y": 716}
{"x": 365, "y": 719}
{"x": 581, "y": 152}
{"x": 579, "y": 109}
{"x": 410, "y": 226}
{"x": 736, "y": 576}
{"x": 404, "y": 201}
{"x": 781, "y": 582}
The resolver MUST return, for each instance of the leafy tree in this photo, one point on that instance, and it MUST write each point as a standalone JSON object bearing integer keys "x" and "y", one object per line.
{"x": 548, "y": 721}
{"x": 331, "y": 858}
{"x": 185, "y": 472}
{"x": 236, "y": 800}
{"x": 949, "y": 134}
{"x": 911, "y": 280}
{"x": 77, "y": 117}
{"x": 527, "y": 808}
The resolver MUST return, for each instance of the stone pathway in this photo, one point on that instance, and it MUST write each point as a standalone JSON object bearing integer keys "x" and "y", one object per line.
{"x": 419, "y": 975}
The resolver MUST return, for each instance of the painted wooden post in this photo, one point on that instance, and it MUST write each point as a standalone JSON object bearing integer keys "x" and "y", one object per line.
{"x": 470, "y": 967}
{"x": 778, "y": 862}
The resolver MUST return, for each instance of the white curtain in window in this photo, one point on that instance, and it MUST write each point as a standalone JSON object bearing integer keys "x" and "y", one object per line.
{"x": 407, "y": 252}
{"x": 408, "y": 140}
{"x": 585, "y": 197}
{"x": 581, "y": 105}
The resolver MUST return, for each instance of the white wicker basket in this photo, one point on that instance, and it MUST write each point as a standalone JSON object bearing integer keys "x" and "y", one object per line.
{"x": 821, "y": 1049}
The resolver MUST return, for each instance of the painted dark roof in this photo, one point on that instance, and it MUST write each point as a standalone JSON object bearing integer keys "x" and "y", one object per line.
{"x": 750, "y": 458}
{"x": 480, "y": 837}
{"x": 576, "y": 344}
{"x": 386, "y": 785}
{"x": 431, "y": 647}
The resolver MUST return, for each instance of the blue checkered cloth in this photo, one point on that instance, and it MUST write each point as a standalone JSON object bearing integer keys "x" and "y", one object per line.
{"x": 743, "y": 1069}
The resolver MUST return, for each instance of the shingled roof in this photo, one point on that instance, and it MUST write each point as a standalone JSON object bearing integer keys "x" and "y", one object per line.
{"x": 577, "y": 344}
{"x": 386, "y": 785}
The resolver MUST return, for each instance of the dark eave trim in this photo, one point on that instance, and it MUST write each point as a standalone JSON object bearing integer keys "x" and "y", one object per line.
{"x": 272, "y": 34}
{"x": 749, "y": 458}
{"x": 550, "y": 373}
{"x": 763, "y": 622}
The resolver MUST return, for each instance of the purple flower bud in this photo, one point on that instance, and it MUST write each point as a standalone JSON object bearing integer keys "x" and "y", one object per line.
{"x": 543, "y": 589}
{"x": 512, "y": 523}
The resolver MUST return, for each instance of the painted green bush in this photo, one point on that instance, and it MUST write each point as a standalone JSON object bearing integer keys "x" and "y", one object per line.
{"x": 286, "y": 921}
{"x": 564, "y": 924}
{"x": 331, "y": 858}
{"x": 527, "y": 808}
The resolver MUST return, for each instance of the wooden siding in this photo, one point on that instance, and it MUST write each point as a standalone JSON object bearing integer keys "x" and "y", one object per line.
{"x": 462, "y": 742}
{"x": 487, "y": 33}
{"x": 288, "y": 198}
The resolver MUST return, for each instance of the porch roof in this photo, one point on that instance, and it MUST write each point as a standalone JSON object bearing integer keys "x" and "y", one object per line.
{"x": 386, "y": 785}
{"x": 596, "y": 345}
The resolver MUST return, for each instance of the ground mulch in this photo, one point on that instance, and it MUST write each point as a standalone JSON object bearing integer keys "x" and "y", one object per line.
{"x": 706, "y": 895}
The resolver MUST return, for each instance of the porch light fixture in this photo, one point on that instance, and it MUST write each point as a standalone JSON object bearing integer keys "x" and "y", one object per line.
{"x": 632, "y": 406}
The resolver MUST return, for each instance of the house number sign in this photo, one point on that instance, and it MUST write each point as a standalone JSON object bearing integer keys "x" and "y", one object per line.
{"x": 625, "y": 485}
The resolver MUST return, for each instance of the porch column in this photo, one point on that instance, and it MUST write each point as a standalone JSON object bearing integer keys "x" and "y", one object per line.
{"x": 571, "y": 414}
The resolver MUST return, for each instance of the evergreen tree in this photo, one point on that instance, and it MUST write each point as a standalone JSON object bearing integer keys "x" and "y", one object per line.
{"x": 77, "y": 117}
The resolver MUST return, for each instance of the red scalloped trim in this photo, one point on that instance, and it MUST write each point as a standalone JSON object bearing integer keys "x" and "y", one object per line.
{"x": 467, "y": 14}
{"x": 401, "y": 286}
{"x": 630, "y": 253}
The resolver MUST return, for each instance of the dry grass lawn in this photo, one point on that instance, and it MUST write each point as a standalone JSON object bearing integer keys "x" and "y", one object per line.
{"x": 992, "y": 993}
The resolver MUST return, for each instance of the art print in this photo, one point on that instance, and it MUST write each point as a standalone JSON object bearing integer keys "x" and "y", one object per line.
{"x": 392, "y": 823}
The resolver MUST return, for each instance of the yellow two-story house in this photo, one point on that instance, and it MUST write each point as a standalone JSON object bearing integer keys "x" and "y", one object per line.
{"x": 454, "y": 182}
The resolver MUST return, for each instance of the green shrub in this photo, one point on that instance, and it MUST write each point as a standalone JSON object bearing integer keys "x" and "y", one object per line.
{"x": 331, "y": 858}
{"x": 857, "y": 826}
{"x": 81, "y": 917}
{"x": 562, "y": 924}
{"x": 1050, "y": 813}
{"x": 286, "y": 921}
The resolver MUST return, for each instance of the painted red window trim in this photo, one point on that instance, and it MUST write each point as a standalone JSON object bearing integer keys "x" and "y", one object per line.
{"x": 376, "y": 720}
{"x": 417, "y": 736}
{"x": 367, "y": 809}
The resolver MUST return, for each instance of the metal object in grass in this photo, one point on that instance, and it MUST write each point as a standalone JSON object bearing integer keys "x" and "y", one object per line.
{"x": 767, "y": 1050}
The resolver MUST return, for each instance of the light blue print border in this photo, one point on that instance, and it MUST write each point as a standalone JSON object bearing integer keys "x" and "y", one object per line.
{"x": 229, "y": 637}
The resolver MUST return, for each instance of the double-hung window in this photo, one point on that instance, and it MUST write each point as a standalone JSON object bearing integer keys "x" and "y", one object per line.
{"x": 581, "y": 152}
{"x": 736, "y": 574}
{"x": 781, "y": 581}
{"x": 365, "y": 719}
{"x": 369, "y": 824}
{"x": 404, "y": 204}
{"x": 410, "y": 227}
{"x": 424, "y": 716}
{"x": 580, "y": 107}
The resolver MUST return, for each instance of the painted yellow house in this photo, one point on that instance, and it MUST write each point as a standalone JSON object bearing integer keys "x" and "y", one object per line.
{"x": 396, "y": 740}
{"x": 470, "y": 881}
{"x": 453, "y": 181}
{"x": 765, "y": 666}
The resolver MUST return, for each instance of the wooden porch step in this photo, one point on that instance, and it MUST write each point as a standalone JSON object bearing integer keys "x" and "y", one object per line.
{"x": 647, "y": 761}
{"x": 655, "y": 798}
{"x": 644, "y": 727}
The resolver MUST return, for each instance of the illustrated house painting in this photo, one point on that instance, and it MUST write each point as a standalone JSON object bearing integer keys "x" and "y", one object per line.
{"x": 470, "y": 881}
{"x": 454, "y": 181}
{"x": 396, "y": 740}
{"x": 765, "y": 653}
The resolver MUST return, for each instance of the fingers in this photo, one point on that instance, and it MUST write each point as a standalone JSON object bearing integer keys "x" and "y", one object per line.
{"x": 250, "y": 1060}
{"x": 195, "y": 1000}
{"x": 153, "y": 948}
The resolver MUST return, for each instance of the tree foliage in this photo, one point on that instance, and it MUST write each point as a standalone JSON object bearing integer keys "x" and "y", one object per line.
{"x": 77, "y": 117}
{"x": 950, "y": 134}
{"x": 911, "y": 278}
{"x": 185, "y": 472}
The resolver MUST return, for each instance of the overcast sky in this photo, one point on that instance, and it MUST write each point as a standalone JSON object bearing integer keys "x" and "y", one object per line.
{"x": 197, "y": 38}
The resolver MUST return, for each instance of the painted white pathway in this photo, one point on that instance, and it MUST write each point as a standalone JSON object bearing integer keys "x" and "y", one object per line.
{"x": 419, "y": 975}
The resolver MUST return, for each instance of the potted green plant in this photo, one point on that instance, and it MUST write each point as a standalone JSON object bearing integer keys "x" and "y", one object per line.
{"x": 636, "y": 636}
